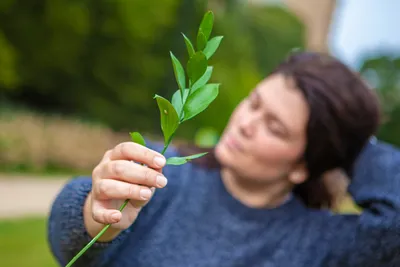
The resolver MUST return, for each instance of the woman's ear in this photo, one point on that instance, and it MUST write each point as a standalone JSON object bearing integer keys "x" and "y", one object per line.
{"x": 299, "y": 175}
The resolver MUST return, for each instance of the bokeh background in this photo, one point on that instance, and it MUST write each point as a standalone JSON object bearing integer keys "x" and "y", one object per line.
{"x": 77, "y": 76}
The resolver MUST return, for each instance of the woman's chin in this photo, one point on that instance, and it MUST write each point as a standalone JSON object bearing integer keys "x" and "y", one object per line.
{"x": 224, "y": 155}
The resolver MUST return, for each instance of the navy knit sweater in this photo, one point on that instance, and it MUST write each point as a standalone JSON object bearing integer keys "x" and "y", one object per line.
{"x": 195, "y": 222}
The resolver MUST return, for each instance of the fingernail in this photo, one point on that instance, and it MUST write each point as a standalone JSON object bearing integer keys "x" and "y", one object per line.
{"x": 161, "y": 181}
{"x": 145, "y": 194}
{"x": 159, "y": 161}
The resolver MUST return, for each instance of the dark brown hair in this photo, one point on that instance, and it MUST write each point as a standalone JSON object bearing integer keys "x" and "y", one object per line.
{"x": 344, "y": 114}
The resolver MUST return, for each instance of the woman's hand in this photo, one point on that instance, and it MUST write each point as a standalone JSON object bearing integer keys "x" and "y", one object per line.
{"x": 121, "y": 175}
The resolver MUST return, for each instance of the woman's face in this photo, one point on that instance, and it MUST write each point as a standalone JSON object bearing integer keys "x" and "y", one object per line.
{"x": 266, "y": 134}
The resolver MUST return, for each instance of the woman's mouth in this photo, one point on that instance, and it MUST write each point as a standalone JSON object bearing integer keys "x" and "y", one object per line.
{"x": 232, "y": 143}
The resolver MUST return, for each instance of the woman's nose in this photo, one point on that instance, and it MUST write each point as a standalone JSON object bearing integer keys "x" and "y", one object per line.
{"x": 248, "y": 126}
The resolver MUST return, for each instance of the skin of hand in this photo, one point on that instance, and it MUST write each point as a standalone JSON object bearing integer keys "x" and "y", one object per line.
{"x": 128, "y": 171}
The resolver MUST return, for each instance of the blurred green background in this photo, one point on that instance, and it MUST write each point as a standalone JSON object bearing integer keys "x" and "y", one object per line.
{"x": 77, "y": 76}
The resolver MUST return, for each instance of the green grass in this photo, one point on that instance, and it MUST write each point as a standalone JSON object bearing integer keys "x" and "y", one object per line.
{"x": 23, "y": 244}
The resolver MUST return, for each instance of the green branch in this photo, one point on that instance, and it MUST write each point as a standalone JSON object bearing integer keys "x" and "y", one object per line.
{"x": 186, "y": 103}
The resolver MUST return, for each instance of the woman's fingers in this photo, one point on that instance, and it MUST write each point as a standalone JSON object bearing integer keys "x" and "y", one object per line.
{"x": 113, "y": 189}
{"x": 103, "y": 215}
{"x": 117, "y": 178}
{"x": 133, "y": 173}
{"x": 138, "y": 153}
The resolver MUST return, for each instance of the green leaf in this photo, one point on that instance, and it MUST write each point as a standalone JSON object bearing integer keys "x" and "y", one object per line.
{"x": 179, "y": 72}
{"x": 183, "y": 160}
{"x": 177, "y": 100}
{"x": 197, "y": 66}
{"x": 200, "y": 99}
{"x": 206, "y": 24}
{"x": 201, "y": 41}
{"x": 189, "y": 46}
{"x": 137, "y": 138}
{"x": 203, "y": 79}
{"x": 169, "y": 117}
{"x": 212, "y": 46}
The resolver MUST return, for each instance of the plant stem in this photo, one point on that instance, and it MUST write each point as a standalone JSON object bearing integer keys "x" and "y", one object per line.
{"x": 74, "y": 259}
{"x": 88, "y": 246}
{"x": 183, "y": 105}
{"x": 105, "y": 228}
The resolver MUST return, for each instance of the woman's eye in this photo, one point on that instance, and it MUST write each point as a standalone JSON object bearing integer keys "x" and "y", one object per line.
{"x": 276, "y": 129}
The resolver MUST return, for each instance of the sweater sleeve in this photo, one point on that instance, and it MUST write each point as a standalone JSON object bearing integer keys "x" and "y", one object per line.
{"x": 67, "y": 234}
{"x": 373, "y": 237}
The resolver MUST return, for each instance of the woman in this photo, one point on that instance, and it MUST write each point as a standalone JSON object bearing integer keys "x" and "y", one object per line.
{"x": 263, "y": 203}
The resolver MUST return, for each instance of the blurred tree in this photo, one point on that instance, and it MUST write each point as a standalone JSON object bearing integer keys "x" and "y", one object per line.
{"x": 317, "y": 17}
{"x": 390, "y": 130}
{"x": 8, "y": 76}
{"x": 382, "y": 72}
{"x": 256, "y": 39}
{"x": 99, "y": 59}
{"x": 105, "y": 60}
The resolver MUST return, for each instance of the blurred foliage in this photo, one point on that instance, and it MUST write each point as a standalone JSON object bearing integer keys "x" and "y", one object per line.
{"x": 256, "y": 40}
{"x": 98, "y": 59}
{"x": 382, "y": 72}
{"x": 104, "y": 60}
{"x": 206, "y": 137}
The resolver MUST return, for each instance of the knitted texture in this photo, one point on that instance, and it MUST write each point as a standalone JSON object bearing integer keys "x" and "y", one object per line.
{"x": 195, "y": 222}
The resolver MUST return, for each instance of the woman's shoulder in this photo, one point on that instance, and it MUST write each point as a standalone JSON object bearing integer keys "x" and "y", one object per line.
{"x": 377, "y": 150}
{"x": 371, "y": 236}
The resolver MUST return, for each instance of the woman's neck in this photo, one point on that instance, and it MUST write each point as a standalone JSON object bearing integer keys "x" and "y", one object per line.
{"x": 255, "y": 194}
